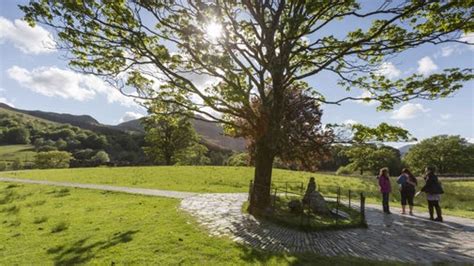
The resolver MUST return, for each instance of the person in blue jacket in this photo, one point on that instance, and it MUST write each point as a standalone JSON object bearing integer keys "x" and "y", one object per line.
{"x": 407, "y": 182}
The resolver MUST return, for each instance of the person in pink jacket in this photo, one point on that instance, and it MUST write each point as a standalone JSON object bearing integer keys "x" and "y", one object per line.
{"x": 385, "y": 188}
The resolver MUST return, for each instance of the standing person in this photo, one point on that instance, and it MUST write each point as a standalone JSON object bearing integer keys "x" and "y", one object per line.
{"x": 407, "y": 183}
{"x": 433, "y": 192}
{"x": 385, "y": 188}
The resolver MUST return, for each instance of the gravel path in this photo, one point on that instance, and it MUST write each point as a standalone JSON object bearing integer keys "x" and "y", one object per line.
{"x": 141, "y": 191}
{"x": 388, "y": 237}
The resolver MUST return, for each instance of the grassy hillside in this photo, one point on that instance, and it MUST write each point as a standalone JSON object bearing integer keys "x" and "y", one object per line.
{"x": 9, "y": 153}
{"x": 457, "y": 200}
{"x": 49, "y": 225}
{"x": 211, "y": 133}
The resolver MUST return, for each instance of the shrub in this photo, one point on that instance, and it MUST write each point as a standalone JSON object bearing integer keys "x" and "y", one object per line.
{"x": 53, "y": 159}
{"x": 3, "y": 166}
{"x": 239, "y": 159}
{"x": 17, "y": 135}
{"x": 100, "y": 158}
{"x": 46, "y": 148}
{"x": 17, "y": 165}
{"x": 345, "y": 170}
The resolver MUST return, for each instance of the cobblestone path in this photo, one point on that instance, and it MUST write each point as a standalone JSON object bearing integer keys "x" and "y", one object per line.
{"x": 388, "y": 237}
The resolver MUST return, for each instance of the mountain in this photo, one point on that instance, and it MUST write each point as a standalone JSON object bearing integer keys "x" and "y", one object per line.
{"x": 82, "y": 121}
{"x": 211, "y": 133}
{"x": 132, "y": 125}
{"x": 404, "y": 149}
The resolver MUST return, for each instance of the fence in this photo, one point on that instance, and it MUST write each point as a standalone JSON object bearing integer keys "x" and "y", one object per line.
{"x": 296, "y": 190}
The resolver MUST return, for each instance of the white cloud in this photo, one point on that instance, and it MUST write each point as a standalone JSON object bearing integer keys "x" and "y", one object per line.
{"x": 6, "y": 101}
{"x": 409, "y": 111}
{"x": 469, "y": 37}
{"x": 388, "y": 70}
{"x": 350, "y": 122}
{"x": 445, "y": 116}
{"x": 447, "y": 51}
{"x": 56, "y": 82}
{"x": 470, "y": 140}
{"x": 426, "y": 66}
{"x": 29, "y": 40}
{"x": 130, "y": 116}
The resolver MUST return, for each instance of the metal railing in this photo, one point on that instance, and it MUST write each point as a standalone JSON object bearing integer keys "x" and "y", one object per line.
{"x": 296, "y": 190}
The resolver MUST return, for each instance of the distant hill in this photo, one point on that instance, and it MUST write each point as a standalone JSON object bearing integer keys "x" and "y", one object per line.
{"x": 404, "y": 149}
{"x": 82, "y": 121}
{"x": 132, "y": 125}
{"x": 211, "y": 133}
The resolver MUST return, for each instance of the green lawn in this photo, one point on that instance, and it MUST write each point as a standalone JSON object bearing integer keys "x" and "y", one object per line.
{"x": 52, "y": 225}
{"x": 10, "y": 153}
{"x": 182, "y": 178}
{"x": 457, "y": 200}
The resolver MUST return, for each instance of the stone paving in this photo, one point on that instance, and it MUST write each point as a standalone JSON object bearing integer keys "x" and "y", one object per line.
{"x": 388, "y": 237}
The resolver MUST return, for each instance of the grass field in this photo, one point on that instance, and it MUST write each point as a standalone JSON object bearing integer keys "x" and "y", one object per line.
{"x": 9, "y": 153}
{"x": 52, "y": 225}
{"x": 456, "y": 201}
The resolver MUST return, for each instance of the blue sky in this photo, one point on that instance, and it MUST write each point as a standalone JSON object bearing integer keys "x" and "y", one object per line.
{"x": 35, "y": 77}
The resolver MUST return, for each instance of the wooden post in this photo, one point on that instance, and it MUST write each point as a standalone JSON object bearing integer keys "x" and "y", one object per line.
{"x": 286, "y": 189}
{"x": 337, "y": 203}
{"x": 362, "y": 208}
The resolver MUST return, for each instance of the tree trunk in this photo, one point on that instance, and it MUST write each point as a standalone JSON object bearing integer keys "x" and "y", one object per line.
{"x": 260, "y": 197}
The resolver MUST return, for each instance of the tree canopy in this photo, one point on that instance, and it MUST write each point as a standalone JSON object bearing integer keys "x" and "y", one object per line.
{"x": 170, "y": 137}
{"x": 449, "y": 154}
{"x": 372, "y": 158}
{"x": 254, "y": 51}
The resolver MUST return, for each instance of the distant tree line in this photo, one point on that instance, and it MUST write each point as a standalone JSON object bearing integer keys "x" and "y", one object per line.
{"x": 450, "y": 155}
{"x": 76, "y": 147}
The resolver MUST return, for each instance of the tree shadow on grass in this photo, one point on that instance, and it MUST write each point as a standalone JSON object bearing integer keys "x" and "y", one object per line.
{"x": 81, "y": 251}
{"x": 255, "y": 256}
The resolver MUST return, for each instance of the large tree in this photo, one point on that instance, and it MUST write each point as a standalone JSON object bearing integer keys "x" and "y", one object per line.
{"x": 449, "y": 154}
{"x": 366, "y": 157}
{"x": 169, "y": 137}
{"x": 254, "y": 50}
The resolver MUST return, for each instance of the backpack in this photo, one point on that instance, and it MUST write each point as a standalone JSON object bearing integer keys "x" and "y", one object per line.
{"x": 438, "y": 188}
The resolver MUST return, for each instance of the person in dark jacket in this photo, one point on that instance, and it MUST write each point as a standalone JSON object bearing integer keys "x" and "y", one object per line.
{"x": 385, "y": 188}
{"x": 433, "y": 192}
{"x": 407, "y": 182}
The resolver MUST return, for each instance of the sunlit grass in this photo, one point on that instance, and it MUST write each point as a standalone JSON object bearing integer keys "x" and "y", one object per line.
{"x": 44, "y": 225}
{"x": 24, "y": 153}
{"x": 456, "y": 201}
